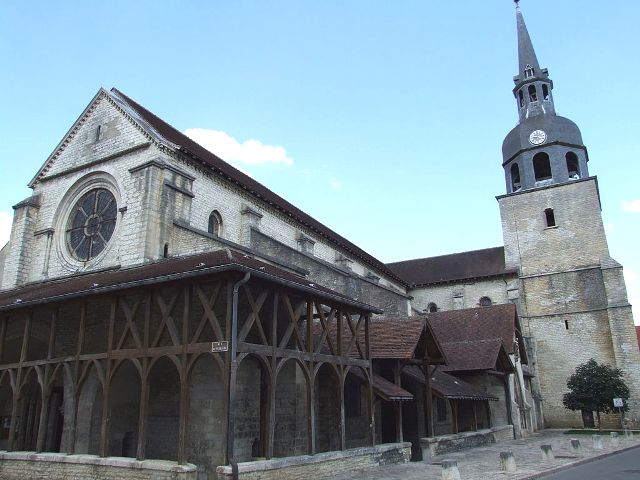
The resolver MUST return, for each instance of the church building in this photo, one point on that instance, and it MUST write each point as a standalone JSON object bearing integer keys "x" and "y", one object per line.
{"x": 163, "y": 312}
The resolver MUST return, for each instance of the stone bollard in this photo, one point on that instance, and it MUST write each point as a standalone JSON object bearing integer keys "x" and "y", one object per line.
{"x": 450, "y": 470}
{"x": 508, "y": 461}
{"x": 597, "y": 442}
{"x": 547, "y": 452}
{"x": 575, "y": 445}
{"x": 614, "y": 439}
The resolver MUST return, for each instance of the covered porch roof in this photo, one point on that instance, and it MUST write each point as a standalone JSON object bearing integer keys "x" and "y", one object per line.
{"x": 164, "y": 271}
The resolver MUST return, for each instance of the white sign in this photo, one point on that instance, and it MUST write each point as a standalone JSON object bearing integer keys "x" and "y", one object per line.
{"x": 617, "y": 402}
{"x": 219, "y": 346}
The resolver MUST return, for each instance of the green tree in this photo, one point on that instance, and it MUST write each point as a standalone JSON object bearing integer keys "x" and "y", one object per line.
{"x": 593, "y": 387}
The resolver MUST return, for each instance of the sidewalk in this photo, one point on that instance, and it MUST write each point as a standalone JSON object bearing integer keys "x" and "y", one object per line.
{"x": 483, "y": 463}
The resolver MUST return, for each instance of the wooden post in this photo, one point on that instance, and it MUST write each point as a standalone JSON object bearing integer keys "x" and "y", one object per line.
{"x": 397, "y": 377}
{"x": 370, "y": 402}
{"x": 44, "y": 417}
{"x": 144, "y": 382}
{"x": 343, "y": 436}
{"x": 271, "y": 407}
{"x": 271, "y": 423}
{"x": 3, "y": 336}
{"x": 104, "y": 427}
{"x": 475, "y": 416}
{"x": 454, "y": 411}
{"x": 311, "y": 402}
{"x": 428, "y": 401}
{"x": 184, "y": 381}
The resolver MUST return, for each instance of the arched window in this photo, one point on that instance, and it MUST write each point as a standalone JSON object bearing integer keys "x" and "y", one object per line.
{"x": 528, "y": 71}
{"x": 215, "y": 223}
{"x": 521, "y": 98}
{"x": 545, "y": 92}
{"x": 432, "y": 307}
{"x": 485, "y": 302}
{"x": 515, "y": 178}
{"x": 549, "y": 217}
{"x": 533, "y": 96}
{"x": 573, "y": 166}
{"x": 541, "y": 166}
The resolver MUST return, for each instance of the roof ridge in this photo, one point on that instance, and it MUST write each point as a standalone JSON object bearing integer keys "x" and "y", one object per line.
{"x": 446, "y": 255}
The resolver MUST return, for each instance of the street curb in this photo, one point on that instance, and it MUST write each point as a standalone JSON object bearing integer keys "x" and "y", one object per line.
{"x": 583, "y": 461}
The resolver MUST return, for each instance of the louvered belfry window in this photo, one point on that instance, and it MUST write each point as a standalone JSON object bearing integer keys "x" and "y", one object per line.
{"x": 91, "y": 224}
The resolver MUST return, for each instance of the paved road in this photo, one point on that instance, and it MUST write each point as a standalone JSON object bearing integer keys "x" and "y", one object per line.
{"x": 621, "y": 466}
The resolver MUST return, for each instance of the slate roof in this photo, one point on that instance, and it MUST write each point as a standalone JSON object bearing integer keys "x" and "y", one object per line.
{"x": 488, "y": 262}
{"x": 165, "y": 270}
{"x": 448, "y": 386}
{"x": 472, "y": 338}
{"x": 203, "y": 156}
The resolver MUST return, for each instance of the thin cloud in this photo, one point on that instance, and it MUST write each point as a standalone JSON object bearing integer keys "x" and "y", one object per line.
{"x": 335, "y": 184}
{"x": 249, "y": 152}
{"x": 631, "y": 206}
{"x": 5, "y": 227}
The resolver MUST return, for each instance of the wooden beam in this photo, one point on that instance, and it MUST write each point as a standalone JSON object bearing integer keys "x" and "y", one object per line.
{"x": 428, "y": 400}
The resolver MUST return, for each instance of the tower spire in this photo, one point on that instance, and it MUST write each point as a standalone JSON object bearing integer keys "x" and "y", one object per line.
{"x": 528, "y": 61}
{"x": 544, "y": 148}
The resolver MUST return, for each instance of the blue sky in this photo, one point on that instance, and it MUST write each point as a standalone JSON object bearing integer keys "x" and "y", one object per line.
{"x": 384, "y": 120}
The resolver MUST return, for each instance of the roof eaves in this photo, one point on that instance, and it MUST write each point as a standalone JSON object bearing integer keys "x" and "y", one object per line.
{"x": 233, "y": 266}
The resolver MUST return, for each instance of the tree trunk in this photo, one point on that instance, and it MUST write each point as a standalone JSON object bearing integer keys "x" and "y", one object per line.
{"x": 599, "y": 424}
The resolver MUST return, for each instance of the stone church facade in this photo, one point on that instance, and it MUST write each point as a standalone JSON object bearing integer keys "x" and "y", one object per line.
{"x": 142, "y": 263}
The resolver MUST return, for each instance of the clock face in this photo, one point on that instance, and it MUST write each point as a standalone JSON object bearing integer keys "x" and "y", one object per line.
{"x": 537, "y": 137}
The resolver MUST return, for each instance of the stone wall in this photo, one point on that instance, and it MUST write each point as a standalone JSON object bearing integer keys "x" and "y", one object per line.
{"x": 154, "y": 187}
{"x": 463, "y": 294}
{"x": 577, "y": 240}
{"x": 55, "y": 466}
{"x": 443, "y": 444}
{"x": 321, "y": 464}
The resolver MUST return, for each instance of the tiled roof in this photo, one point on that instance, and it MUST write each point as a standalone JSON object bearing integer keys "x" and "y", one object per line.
{"x": 473, "y": 338}
{"x": 204, "y": 156}
{"x": 170, "y": 269}
{"x": 488, "y": 262}
{"x": 383, "y": 388}
{"x": 472, "y": 355}
{"x": 401, "y": 338}
{"x": 482, "y": 323}
{"x": 448, "y": 386}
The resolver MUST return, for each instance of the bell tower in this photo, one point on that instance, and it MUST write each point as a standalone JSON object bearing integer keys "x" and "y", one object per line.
{"x": 571, "y": 295}
{"x": 543, "y": 148}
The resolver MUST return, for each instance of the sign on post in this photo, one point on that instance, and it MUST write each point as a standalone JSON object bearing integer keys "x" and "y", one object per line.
{"x": 617, "y": 402}
{"x": 219, "y": 346}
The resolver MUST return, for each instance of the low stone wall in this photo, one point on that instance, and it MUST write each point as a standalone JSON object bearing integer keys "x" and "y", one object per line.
{"x": 460, "y": 441}
{"x": 305, "y": 467}
{"x": 59, "y": 466}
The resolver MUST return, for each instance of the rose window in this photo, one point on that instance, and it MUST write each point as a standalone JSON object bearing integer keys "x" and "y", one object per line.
{"x": 91, "y": 224}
